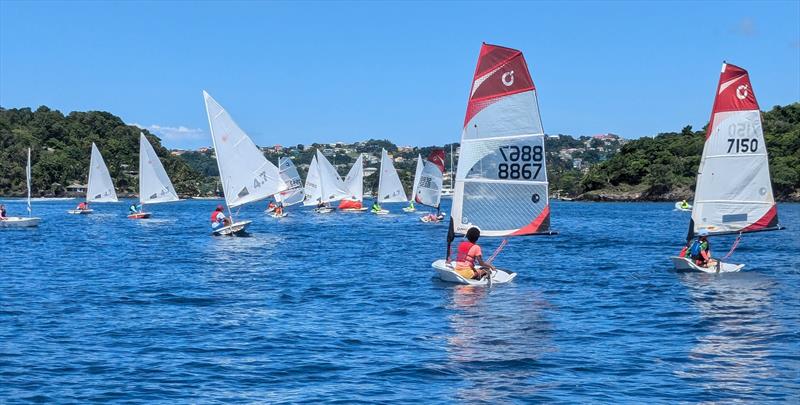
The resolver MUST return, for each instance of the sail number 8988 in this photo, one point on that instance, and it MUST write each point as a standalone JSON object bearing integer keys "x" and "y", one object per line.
{"x": 520, "y": 162}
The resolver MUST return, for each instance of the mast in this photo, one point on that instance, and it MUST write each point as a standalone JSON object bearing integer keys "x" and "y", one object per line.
{"x": 28, "y": 175}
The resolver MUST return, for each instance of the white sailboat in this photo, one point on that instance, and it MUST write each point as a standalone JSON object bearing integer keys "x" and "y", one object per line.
{"x": 415, "y": 185}
{"x": 246, "y": 175}
{"x": 293, "y": 194}
{"x": 428, "y": 185}
{"x": 354, "y": 184}
{"x": 154, "y": 183}
{"x": 100, "y": 187}
{"x": 30, "y": 220}
{"x": 501, "y": 180}
{"x": 390, "y": 188}
{"x": 734, "y": 191}
{"x": 323, "y": 184}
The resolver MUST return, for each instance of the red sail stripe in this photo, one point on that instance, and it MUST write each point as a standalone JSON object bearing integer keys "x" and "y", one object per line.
{"x": 437, "y": 157}
{"x": 737, "y": 95}
{"x": 769, "y": 220}
{"x": 534, "y": 226}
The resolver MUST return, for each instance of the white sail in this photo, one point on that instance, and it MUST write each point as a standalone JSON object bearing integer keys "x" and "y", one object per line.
{"x": 501, "y": 180}
{"x": 429, "y": 187}
{"x": 154, "y": 184}
{"x": 417, "y": 178}
{"x": 313, "y": 187}
{"x": 734, "y": 192}
{"x": 354, "y": 181}
{"x": 333, "y": 188}
{"x": 390, "y": 188}
{"x": 100, "y": 188}
{"x": 246, "y": 175}
{"x": 291, "y": 178}
{"x": 28, "y": 176}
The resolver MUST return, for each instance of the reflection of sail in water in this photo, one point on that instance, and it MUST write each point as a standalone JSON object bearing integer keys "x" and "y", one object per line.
{"x": 733, "y": 357}
{"x": 494, "y": 332}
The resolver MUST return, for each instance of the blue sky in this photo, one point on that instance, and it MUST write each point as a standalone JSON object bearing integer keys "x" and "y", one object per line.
{"x": 305, "y": 72}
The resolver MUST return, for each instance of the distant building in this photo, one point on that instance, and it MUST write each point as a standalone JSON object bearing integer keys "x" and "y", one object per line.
{"x": 577, "y": 163}
{"x": 76, "y": 188}
{"x": 369, "y": 171}
{"x": 328, "y": 152}
{"x": 399, "y": 159}
{"x": 606, "y": 137}
{"x": 204, "y": 149}
{"x": 177, "y": 152}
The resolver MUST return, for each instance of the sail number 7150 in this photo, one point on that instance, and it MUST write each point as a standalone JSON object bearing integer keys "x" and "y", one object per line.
{"x": 523, "y": 162}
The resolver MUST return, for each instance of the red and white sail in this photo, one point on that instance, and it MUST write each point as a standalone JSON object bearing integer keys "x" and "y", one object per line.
{"x": 428, "y": 180}
{"x": 501, "y": 180}
{"x": 734, "y": 192}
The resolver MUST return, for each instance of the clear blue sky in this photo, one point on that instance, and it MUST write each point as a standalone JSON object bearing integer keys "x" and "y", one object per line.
{"x": 304, "y": 72}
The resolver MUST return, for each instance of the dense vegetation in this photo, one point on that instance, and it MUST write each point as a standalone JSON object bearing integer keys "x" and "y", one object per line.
{"x": 664, "y": 167}
{"x": 61, "y": 148}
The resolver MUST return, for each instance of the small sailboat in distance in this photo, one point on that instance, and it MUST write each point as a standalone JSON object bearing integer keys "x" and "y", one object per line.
{"x": 293, "y": 194}
{"x": 100, "y": 187}
{"x": 390, "y": 188}
{"x": 428, "y": 185}
{"x": 246, "y": 175}
{"x": 154, "y": 183}
{"x": 415, "y": 185}
{"x": 30, "y": 220}
{"x": 734, "y": 192}
{"x": 323, "y": 184}
{"x": 354, "y": 184}
{"x": 501, "y": 179}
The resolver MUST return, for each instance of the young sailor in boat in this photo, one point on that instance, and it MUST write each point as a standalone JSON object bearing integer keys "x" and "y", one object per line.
{"x": 2, "y": 212}
{"x": 271, "y": 206}
{"x": 684, "y": 204}
{"x": 700, "y": 250}
{"x": 375, "y": 206}
{"x": 279, "y": 209}
{"x": 469, "y": 253}
{"x": 83, "y": 206}
{"x": 411, "y": 205}
{"x": 218, "y": 219}
{"x": 134, "y": 209}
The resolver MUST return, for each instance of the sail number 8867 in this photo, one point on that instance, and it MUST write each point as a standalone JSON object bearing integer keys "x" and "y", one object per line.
{"x": 523, "y": 162}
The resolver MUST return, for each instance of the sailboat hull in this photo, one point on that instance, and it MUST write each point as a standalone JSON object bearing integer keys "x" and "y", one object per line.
{"x": 684, "y": 264}
{"x": 234, "y": 229}
{"x": 679, "y": 208}
{"x": 19, "y": 222}
{"x": 446, "y": 273}
{"x": 139, "y": 215}
{"x": 80, "y": 212}
{"x": 362, "y": 209}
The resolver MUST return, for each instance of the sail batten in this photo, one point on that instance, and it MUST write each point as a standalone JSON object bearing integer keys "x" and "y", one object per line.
{"x": 501, "y": 180}
{"x": 734, "y": 191}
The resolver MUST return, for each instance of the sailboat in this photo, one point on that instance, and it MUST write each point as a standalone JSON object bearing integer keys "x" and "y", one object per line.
{"x": 501, "y": 179}
{"x": 428, "y": 185}
{"x": 100, "y": 187}
{"x": 323, "y": 184}
{"x": 733, "y": 195}
{"x": 390, "y": 188}
{"x": 30, "y": 220}
{"x": 415, "y": 185}
{"x": 354, "y": 184}
{"x": 246, "y": 175}
{"x": 154, "y": 184}
{"x": 293, "y": 194}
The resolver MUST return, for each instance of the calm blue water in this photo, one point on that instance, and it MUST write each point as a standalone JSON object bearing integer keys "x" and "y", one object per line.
{"x": 343, "y": 308}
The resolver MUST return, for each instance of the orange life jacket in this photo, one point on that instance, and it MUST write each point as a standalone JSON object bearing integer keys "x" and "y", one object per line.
{"x": 214, "y": 216}
{"x": 463, "y": 253}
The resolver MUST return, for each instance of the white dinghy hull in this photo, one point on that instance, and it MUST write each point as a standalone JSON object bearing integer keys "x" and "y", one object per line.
{"x": 324, "y": 210}
{"x": 281, "y": 215}
{"x": 446, "y": 273}
{"x": 80, "y": 212}
{"x": 679, "y": 208}
{"x": 381, "y": 212}
{"x": 236, "y": 228}
{"x": 362, "y": 209}
{"x": 19, "y": 222}
{"x": 684, "y": 264}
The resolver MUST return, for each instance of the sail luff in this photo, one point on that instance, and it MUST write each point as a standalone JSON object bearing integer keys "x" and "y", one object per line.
{"x": 734, "y": 191}
{"x": 417, "y": 178}
{"x": 28, "y": 182}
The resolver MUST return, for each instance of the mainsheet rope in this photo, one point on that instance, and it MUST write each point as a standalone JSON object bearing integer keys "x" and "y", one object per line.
{"x": 733, "y": 248}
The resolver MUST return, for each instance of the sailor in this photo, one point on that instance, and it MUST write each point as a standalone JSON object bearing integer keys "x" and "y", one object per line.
{"x": 375, "y": 206}
{"x": 700, "y": 251}
{"x": 2, "y": 212}
{"x": 134, "y": 208}
{"x": 411, "y": 205}
{"x": 469, "y": 253}
{"x": 279, "y": 209}
{"x": 83, "y": 206}
{"x": 271, "y": 206}
{"x": 684, "y": 204}
{"x": 218, "y": 219}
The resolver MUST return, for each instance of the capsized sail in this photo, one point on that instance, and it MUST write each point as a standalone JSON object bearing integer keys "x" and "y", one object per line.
{"x": 390, "y": 188}
{"x": 501, "y": 179}
{"x": 154, "y": 184}
{"x": 333, "y": 187}
{"x": 429, "y": 186}
{"x": 313, "y": 189}
{"x": 354, "y": 181}
{"x": 100, "y": 188}
{"x": 246, "y": 175}
{"x": 734, "y": 192}
{"x": 291, "y": 178}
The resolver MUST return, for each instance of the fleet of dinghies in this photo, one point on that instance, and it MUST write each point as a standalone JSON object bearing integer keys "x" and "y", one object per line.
{"x": 500, "y": 184}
